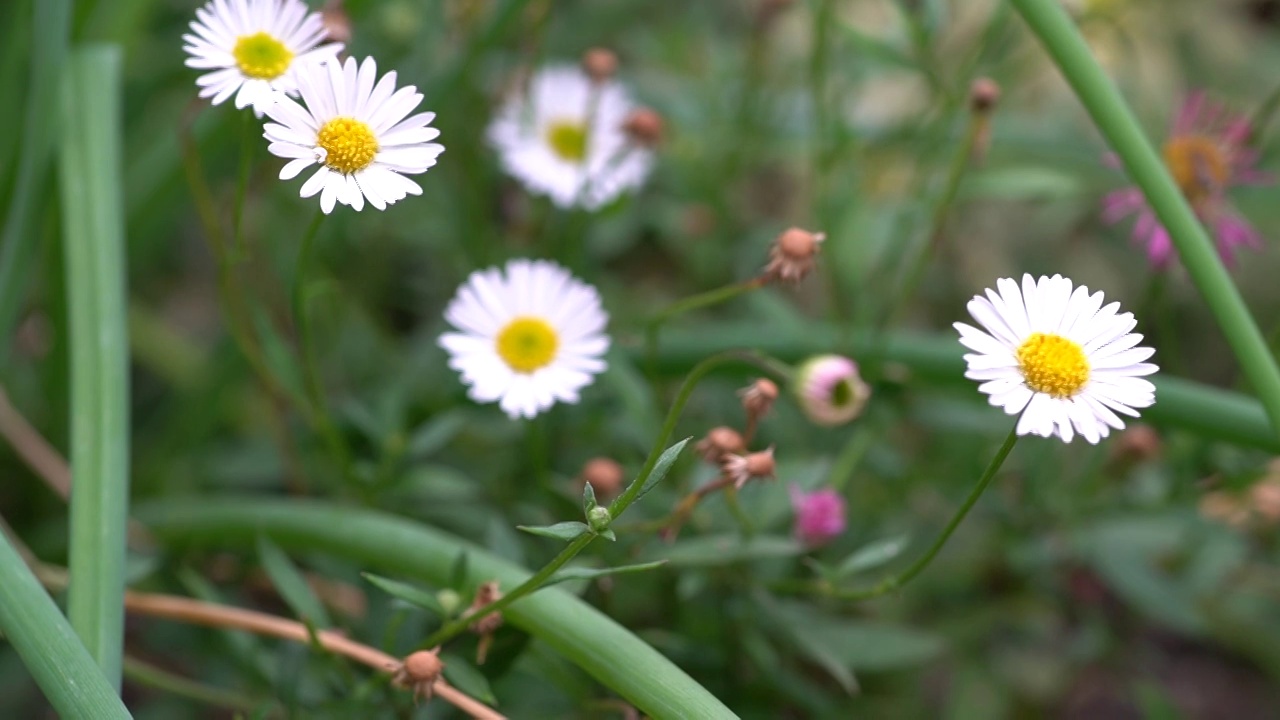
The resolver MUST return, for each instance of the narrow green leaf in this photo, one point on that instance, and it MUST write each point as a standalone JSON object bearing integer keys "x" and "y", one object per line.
{"x": 408, "y": 593}
{"x": 871, "y": 556}
{"x": 665, "y": 461}
{"x": 608, "y": 534}
{"x": 94, "y": 254}
{"x": 433, "y": 435}
{"x": 459, "y": 572}
{"x": 468, "y": 678}
{"x": 565, "y": 531}
{"x": 291, "y": 584}
{"x": 588, "y": 499}
{"x": 582, "y": 573}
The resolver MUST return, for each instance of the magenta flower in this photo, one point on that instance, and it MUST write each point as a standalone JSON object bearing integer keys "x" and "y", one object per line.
{"x": 830, "y": 390}
{"x": 1207, "y": 154}
{"x": 819, "y": 515}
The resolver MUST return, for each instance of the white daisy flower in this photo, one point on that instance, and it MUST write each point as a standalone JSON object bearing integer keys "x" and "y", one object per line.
{"x": 527, "y": 338}
{"x": 565, "y": 139}
{"x": 1057, "y": 356}
{"x": 357, "y": 132}
{"x": 254, "y": 47}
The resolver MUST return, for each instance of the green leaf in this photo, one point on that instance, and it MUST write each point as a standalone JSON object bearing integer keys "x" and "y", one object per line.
{"x": 729, "y": 548}
{"x": 582, "y": 573}
{"x": 608, "y": 534}
{"x": 565, "y": 531}
{"x": 291, "y": 584}
{"x": 468, "y": 678}
{"x": 871, "y": 556}
{"x": 430, "y": 437}
{"x": 459, "y": 572}
{"x": 407, "y": 593}
{"x": 588, "y": 499}
{"x": 660, "y": 469}
{"x": 858, "y": 645}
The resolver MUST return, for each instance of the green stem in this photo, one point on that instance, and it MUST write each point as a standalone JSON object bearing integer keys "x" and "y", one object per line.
{"x": 695, "y": 302}
{"x": 59, "y": 663}
{"x": 897, "y": 581}
{"x": 94, "y": 253}
{"x": 250, "y": 135}
{"x": 1049, "y": 20}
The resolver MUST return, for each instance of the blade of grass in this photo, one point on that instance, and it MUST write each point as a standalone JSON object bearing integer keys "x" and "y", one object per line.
{"x": 1051, "y": 23}
{"x": 93, "y": 239}
{"x": 48, "y": 646}
{"x": 52, "y": 19}
{"x": 386, "y": 543}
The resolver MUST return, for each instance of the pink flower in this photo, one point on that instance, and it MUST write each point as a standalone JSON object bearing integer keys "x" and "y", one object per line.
{"x": 1207, "y": 154}
{"x": 830, "y": 390}
{"x": 819, "y": 515}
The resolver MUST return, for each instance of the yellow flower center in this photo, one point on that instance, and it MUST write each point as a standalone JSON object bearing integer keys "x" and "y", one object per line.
{"x": 1053, "y": 365}
{"x": 261, "y": 56}
{"x": 1198, "y": 164}
{"x": 349, "y": 144}
{"x": 527, "y": 344}
{"x": 568, "y": 139}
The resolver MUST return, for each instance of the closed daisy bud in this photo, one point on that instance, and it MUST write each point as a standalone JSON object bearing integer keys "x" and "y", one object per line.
{"x": 419, "y": 673}
{"x": 741, "y": 468}
{"x": 599, "y": 63}
{"x": 758, "y": 398}
{"x": 644, "y": 126}
{"x": 830, "y": 391}
{"x": 605, "y": 475}
{"x": 719, "y": 442}
{"x": 792, "y": 256}
{"x": 820, "y": 515}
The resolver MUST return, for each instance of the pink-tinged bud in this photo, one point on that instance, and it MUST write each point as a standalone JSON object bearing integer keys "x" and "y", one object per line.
{"x": 719, "y": 442}
{"x": 758, "y": 397}
{"x": 335, "y": 21}
{"x": 830, "y": 391}
{"x": 819, "y": 515}
{"x": 984, "y": 93}
{"x": 793, "y": 255}
{"x": 741, "y": 468}
{"x": 605, "y": 475}
{"x": 644, "y": 126}
{"x": 600, "y": 64}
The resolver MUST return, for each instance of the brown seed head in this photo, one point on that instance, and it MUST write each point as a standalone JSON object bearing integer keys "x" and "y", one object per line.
{"x": 758, "y": 397}
{"x": 419, "y": 673}
{"x": 1138, "y": 443}
{"x": 605, "y": 475}
{"x": 793, "y": 255}
{"x": 984, "y": 93}
{"x": 741, "y": 468}
{"x": 485, "y": 594}
{"x": 644, "y": 126}
{"x": 720, "y": 441}
{"x": 1264, "y": 496}
{"x": 336, "y": 23}
{"x": 600, "y": 64}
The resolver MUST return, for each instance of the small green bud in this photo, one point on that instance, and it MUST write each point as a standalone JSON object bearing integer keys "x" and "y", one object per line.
{"x": 449, "y": 601}
{"x": 599, "y": 518}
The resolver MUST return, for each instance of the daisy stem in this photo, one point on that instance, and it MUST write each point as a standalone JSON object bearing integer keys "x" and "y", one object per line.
{"x": 1049, "y": 20}
{"x": 694, "y": 302}
{"x": 250, "y": 132}
{"x": 895, "y": 582}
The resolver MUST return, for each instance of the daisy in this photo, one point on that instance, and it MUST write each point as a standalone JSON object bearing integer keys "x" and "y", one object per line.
{"x": 1058, "y": 356}
{"x": 1207, "y": 153}
{"x": 255, "y": 49}
{"x": 358, "y": 133}
{"x": 566, "y": 138}
{"x": 527, "y": 337}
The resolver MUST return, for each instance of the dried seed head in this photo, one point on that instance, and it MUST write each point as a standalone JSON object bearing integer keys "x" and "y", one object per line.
{"x": 1224, "y": 508}
{"x": 336, "y": 23}
{"x": 419, "y": 673}
{"x": 719, "y": 442}
{"x": 485, "y": 594}
{"x": 644, "y": 126}
{"x": 984, "y": 93}
{"x": 793, "y": 255}
{"x": 741, "y": 468}
{"x": 600, "y": 64}
{"x": 758, "y": 397}
{"x": 605, "y": 475}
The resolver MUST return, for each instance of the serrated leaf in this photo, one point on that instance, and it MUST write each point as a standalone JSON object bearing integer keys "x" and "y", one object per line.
{"x": 565, "y": 531}
{"x": 583, "y": 573}
{"x": 468, "y": 678}
{"x": 408, "y": 593}
{"x": 871, "y": 556}
{"x": 588, "y": 499}
{"x": 291, "y": 584}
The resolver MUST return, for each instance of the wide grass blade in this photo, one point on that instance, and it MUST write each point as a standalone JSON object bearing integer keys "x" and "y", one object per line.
{"x": 93, "y": 241}
{"x": 36, "y": 629}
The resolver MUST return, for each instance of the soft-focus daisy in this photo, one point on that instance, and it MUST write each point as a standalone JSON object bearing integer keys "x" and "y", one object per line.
{"x": 1057, "y": 356}
{"x": 830, "y": 390}
{"x": 255, "y": 47}
{"x": 1207, "y": 154}
{"x": 357, "y": 131}
{"x": 566, "y": 139}
{"x": 527, "y": 337}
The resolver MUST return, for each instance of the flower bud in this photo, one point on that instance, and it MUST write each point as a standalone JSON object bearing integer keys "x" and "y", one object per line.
{"x": 719, "y": 442}
{"x": 741, "y": 468}
{"x": 984, "y": 93}
{"x": 449, "y": 601}
{"x": 793, "y": 254}
{"x": 600, "y": 64}
{"x": 758, "y": 397}
{"x": 1137, "y": 443}
{"x": 599, "y": 518}
{"x": 820, "y": 515}
{"x": 830, "y": 391}
{"x": 644, "y": 126}
{"x": 605, "y": 475}
{"x": 489, "y": 623}
{"x": 419, "y": 673}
